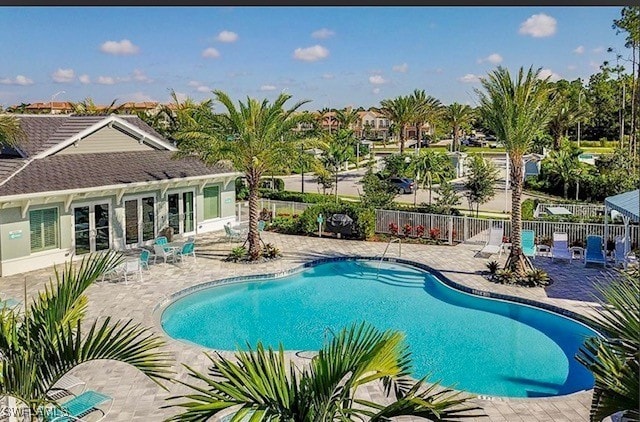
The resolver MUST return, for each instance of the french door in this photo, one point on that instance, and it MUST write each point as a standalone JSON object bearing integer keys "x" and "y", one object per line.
{"x": 139, "y": 220}
{"x": 181, "y": 215}
{"x": 92, "y": 228}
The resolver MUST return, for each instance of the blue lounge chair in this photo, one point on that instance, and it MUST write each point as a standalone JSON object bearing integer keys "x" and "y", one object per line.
{"x": 528, "y": 243}
{"x": 188, "y": 249}
{"x": 79, "y": 407}
{"x": 594, "y": 251}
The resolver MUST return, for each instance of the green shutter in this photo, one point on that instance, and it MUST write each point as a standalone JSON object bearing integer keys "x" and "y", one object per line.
{"x": 43, "y": 229}
{"x": 211, "y": 202}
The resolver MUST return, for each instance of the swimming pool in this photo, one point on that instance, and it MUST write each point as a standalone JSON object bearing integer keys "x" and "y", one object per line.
{"x": 480, "y": 345}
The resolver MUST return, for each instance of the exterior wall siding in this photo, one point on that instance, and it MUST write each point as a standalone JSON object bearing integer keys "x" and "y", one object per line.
{"x": 15, "y": 250}
{"x": 107, "y": 139}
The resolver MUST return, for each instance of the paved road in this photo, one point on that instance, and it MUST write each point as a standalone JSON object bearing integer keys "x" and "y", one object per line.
{"x": 349, "y": 183}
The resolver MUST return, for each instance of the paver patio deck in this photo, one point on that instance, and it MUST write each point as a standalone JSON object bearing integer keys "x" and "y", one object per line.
{"x": 136, "y": 398}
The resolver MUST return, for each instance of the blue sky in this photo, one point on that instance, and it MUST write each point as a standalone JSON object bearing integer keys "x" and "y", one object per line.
{"x": 334, "y": 56}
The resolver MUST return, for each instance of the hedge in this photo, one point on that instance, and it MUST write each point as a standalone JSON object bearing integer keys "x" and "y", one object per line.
{"x": 309, "y": 198}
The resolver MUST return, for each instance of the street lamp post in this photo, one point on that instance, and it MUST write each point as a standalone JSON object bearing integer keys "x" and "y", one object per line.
{"x": 54, "y": 96}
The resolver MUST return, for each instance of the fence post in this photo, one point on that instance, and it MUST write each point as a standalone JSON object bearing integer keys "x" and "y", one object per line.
{"x": 398, "y": 219}
{"x": 273, "y": 207}
{"x": 465, "y": 230}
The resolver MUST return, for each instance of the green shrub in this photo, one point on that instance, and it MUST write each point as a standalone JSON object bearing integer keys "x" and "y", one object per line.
{"x": 242, "y": 191}
{"x": 505, "y": 276}
{"x": 286, "y": 225}
{"x": 492, "y": 266}
{"x": 309, "y": 198}
{"x": 238, "y": 253}
{"x": 270, "y": 251}
{"x": 537, "y": 277}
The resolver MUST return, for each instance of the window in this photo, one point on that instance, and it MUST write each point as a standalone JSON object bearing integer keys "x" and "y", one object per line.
{"x": 44, "y": 229}
{"x": 211, "y": 202}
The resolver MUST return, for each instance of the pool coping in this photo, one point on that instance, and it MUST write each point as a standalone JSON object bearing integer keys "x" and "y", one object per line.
{"x": 159, "y": 308}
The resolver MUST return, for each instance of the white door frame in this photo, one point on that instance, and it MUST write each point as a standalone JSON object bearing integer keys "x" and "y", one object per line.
{"x": 92, "y": 222}
{"x": 180, "y": 193}
{"x": 138, "y": 198}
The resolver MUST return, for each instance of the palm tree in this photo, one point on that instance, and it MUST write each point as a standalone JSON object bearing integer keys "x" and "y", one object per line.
{"x": 400, "y": 110}
{"x": 517, "y": 112}
{"x": 256, "y": 137}
{"x": 427, "y": 110}
{"x": 88, "y": 107}
{"x": 564, "y": 166}
{"x": 38, "y": 347}
{"x": 431, "y": 167}
{"x": 265, "y": 386}
{"x": 614, "y": 358}
{"x": 565, "y": 115}
{"x": 458, "y": 116}
{"x": 346, "y": 118}
{"x": 11, "y": 133}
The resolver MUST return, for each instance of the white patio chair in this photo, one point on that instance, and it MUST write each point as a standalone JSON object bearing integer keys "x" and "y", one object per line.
{"x": 494, "y": 244}
{"x": 130, "y": 268}
{"x": 166, "y": 255}
{"x": 620, "y": 256}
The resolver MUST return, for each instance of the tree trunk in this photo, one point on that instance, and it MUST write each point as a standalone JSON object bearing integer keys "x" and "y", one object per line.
{"x": 566, "y": 190}
{"x": 402, "y": 130}
{"x": 556, "y": 142}
{"x": 517, "y": 262}
{"x": 419, "y": 134}
{"x": 337, "y": 184}
{"x": 253, "y": 179}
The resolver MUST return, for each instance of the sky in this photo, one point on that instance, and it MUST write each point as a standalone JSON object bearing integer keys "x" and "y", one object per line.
{"x": 333, "y": 56}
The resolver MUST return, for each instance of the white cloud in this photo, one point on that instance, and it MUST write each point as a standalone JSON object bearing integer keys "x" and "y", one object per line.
{"x": 311, "y": 54}
{"x": 63, "y": 75}
{"x": 227, "y": 36}
{"x": 323, "y": 33}
{"x": 203, "y": 88}
{"x": 328, "y": 76}
{"x": 538, "y": 26}
{"x": 137, "y": 97}
{"x": 119, "y": 48}
{"x": 579, "y": 49}
{"x": 553, "y": 77}
{"x": 598, "y": 50}
{"x": 376, "y": 80}
{"x": 106, "y": 80}
{"x": 376, "y": 90}
{"x": 210, "y": 53}
{"x": 401, "y": 68}
{"x": 140, "y": 76}
{"x": 469, "y": 78}
{"x": 267, "y": 88}
{"x": 199, "y": 86}
{"x": 194, "y": 84}
{"x": 494, "y": 58}
{"x": 18, "y": 80}
{"x": 84, "y": 79}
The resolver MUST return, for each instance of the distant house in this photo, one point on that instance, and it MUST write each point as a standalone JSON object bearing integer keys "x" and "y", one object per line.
{"x": 80, "y": 184}
{"x": 372, "y": 125}
{"x": 532, "y": 164}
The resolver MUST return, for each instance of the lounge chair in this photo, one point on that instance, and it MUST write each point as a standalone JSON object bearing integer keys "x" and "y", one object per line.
{"x": 233, "y": 234}
{"x": 620, "y": 256}
{"x": 130, "y": 268}
{"x": 144, "y": 259}
{"x": 528, "y": 243}
{"x": 594, "y": 252}
{"x": 188, "y": 249}
{"x": 78, "y": 407}
{"x": 560, "y": 248}
{"x": 65, "y": 386}
{"x": 165, "y": 254}
{"x": 494, "y": 244}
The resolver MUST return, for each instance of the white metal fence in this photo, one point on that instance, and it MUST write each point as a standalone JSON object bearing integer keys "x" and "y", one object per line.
{"x": 475, "y": 230}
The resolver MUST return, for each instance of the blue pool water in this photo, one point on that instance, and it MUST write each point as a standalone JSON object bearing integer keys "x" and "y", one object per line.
{"x": 475, "y": 344}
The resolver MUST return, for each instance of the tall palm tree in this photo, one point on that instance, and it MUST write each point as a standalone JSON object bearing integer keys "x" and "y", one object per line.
{"x": 564, "y": 166}
{"x": 263, "y": 384}
{"x": 255, "y": 136}
{"x": 346, "y": 118}
{"x": 11, "y": 133}
{"x": 458, "y": 116}
{"x": 338, "y": 150}
{"x": 89, "y": 107}
{"x": 40, "y": 345}
{"x": 517, "y": 111}
{"x": 401, "y": 111}
{"x": 426, "y": 110}
{"x": 565, "y": 115}
{"x": 431, "y": 167}
{"x": 614, "y": 359}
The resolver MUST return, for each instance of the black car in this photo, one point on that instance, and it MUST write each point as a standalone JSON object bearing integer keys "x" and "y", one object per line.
{"x": 403, "y": 184}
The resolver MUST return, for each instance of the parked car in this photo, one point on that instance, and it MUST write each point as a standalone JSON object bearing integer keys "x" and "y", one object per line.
{"x": 403, "y": 184}
{"x": 471, "y": 142}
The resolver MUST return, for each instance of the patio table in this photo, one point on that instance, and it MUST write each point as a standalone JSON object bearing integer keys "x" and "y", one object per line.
{"x": 558, "y": 211}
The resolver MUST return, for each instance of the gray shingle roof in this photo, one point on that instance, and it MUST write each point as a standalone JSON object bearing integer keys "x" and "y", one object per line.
{"x": 38, "y": 129}
{"x": 77, "y": 171}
